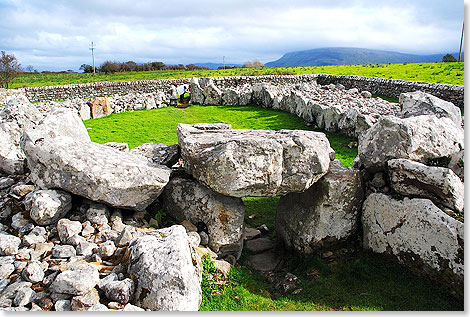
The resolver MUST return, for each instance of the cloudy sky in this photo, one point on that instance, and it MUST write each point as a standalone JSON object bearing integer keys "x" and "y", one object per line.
{"x": 55, "y": 34}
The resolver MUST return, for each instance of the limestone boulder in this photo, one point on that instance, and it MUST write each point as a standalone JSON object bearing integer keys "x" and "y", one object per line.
{"x": 18, "y": 115}
{"x": 456, "y": 163}
{"x": 78, "y": 279}
{"x": 166, "y": 271}
{"x": 197, "y": 93}
{"x": 48, "y": 206}
{"x": 158, "y": 153}
{"x": 420, "y": 103}
{"x": 416, "y": 138}
{"x": 186, "y": 199}
{"x": 353, "y": 123}
{"x": 263, "y": 95}
{"x": 100, "y": 107}
{"x": 230, "y": 97}
{"x": 212, "y": 94}
{"x": 84, "y": 111}
{"x": 324, "y": 214}
{"x": 92, "y": 170}
{"x": 439, "y": 184}
{"x": 418, "y": 234}
{"x": 243, "y": 163}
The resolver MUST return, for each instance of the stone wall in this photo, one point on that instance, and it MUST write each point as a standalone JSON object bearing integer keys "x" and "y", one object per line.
{"x": 380, "y": 86}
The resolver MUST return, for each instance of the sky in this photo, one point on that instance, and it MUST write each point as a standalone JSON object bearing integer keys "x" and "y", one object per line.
{"x": 56, "y": 34}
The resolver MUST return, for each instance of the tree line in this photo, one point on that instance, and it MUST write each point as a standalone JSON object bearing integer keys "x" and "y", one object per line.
{"x": 109, "y": 67}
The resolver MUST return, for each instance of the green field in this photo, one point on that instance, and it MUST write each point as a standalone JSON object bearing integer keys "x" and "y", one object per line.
{"x": 444, "y": 73}
{"x": 354, "y": 281}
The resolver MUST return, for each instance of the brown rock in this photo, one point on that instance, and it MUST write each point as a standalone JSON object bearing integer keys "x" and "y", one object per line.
{"x": 100, "y": 107}
{"x": 85, "y": 301}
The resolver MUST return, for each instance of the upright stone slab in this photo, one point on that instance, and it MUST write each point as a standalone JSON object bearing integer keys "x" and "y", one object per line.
{"x": 212, "y": 94}
{"x": 197, "y": 93}
{"x": 326, "y": 213}
{"x": 416, "y": 138}
{"x": 91, "y": 170}
{"x": 186, "y": 199}
{"x": 100, "y": 107}
{"x": 418, "y": 234}
{"x": 243, "y": 163}
{"x": 166, "y": 271}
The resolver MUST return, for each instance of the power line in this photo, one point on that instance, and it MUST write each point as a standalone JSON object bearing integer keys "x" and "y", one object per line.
{"x": 92, "y": 48}
{"x": 461, "y": 39}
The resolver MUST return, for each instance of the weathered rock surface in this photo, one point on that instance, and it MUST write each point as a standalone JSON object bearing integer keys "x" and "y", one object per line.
{"x": 79, "y": 279}
{"x": 212, "y": 94}
{"x": 19, "y": 114}
{"x": 123, "y": 147}
{"x": 243, "y": 163}
{"x": 420, "y": 103}
{"x": 166, "y": 271}
{"x": 9, "y": 244}
{"x": 197, "y": 93}
{"x": 48, "y": 206}
{"x": 439, "y": 184}
{"x": 325, "y": 213}
{"x": 92, "y": 170}
{"x": 186, "y": 199}
{"x": 67, "y": 228}
{"x": 416, "y": 138}
{"x": 158, "y": 153}
{"x": 100, "y": 107}
{"x": 417, "y": 233}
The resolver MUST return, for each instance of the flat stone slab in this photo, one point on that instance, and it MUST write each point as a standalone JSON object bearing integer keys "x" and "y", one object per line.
{"x": 260, "y": 245}
{"x": 259, "y": 163}
{"x": 265, "y": 262}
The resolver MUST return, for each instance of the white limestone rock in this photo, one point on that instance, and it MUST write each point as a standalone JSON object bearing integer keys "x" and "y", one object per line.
{"x": 48, "y": 206}
{"x": 166, "y": 271}
{"x": 417, "y": 233}
{"x": 325, "y": 213}
{"x": 186, "y": 199}
{"x": 243, "y": 163}
{"x": 439, "y": 184}
{"x": 416, "y": 138}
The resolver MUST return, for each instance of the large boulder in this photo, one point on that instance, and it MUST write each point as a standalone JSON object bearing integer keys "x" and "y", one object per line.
{"x": 48, "y": 206}
{"x": 213, "y": 95}
{"x": 100, "y": 107}
{"x": 418, "y": 234}
{"x": 419, "y": 139}
{"x": 420, "y": 103}
{"x": 186, "y": 199}
{"x": 324, "y": 214}
{"x": 158, "y": 153}
{"x": 243, "y": 163}
{"x": 230, "y": 97}
{"x": 91, "y": 170}
{"x": 18, "y": 115}
{"x": 353, "y": 123}
{"x": 439, "y": 184}
{"x": 263, "y": 95}
{"x": 166, "y": 271}
{"x": 197, "y": 93}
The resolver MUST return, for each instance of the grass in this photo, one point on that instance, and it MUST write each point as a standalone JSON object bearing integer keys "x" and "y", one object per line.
{"x": 361, "y": 282}
{"x": 444, "y": 73}
{"x": 159, "y": 125}
{"x": 356, "y": 281}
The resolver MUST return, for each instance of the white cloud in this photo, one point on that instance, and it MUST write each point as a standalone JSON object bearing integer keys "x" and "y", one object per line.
{"x": 56, "y": 34}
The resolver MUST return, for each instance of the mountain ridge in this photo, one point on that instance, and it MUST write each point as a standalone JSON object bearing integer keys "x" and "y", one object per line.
{"x": 350, "y": 56}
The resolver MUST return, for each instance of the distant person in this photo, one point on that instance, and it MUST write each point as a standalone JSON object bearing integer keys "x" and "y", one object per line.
{"x": 181, "y": 91}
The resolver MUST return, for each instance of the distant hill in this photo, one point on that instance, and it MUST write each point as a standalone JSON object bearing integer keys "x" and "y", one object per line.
{"x": 215, "y": 65}
{"x": 350, "y": 56}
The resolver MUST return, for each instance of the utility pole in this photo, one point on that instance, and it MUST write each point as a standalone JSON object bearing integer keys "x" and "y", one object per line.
{"x": 224, "y": 61}
{"x": 92, "y": 48}
{"x": 461, "y": 39}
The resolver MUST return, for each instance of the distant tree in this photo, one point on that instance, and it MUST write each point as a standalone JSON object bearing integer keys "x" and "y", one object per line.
{"x": 109, "y": 67}
{"x": 448, "y": 58}
{"x": 86, "y": 68}
{"x": 30, "y": 68}
{"x": 9, "y": 69}
{"x": 129, "y": 66}
{"x": 157, "y": 65}
{"x": 255, "y": 64}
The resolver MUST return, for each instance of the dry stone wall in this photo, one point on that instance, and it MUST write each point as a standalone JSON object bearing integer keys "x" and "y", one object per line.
{"x": 380, "y": 86}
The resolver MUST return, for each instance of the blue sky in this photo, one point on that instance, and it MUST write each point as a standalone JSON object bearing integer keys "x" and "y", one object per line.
{"x": 55, "y": 35}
